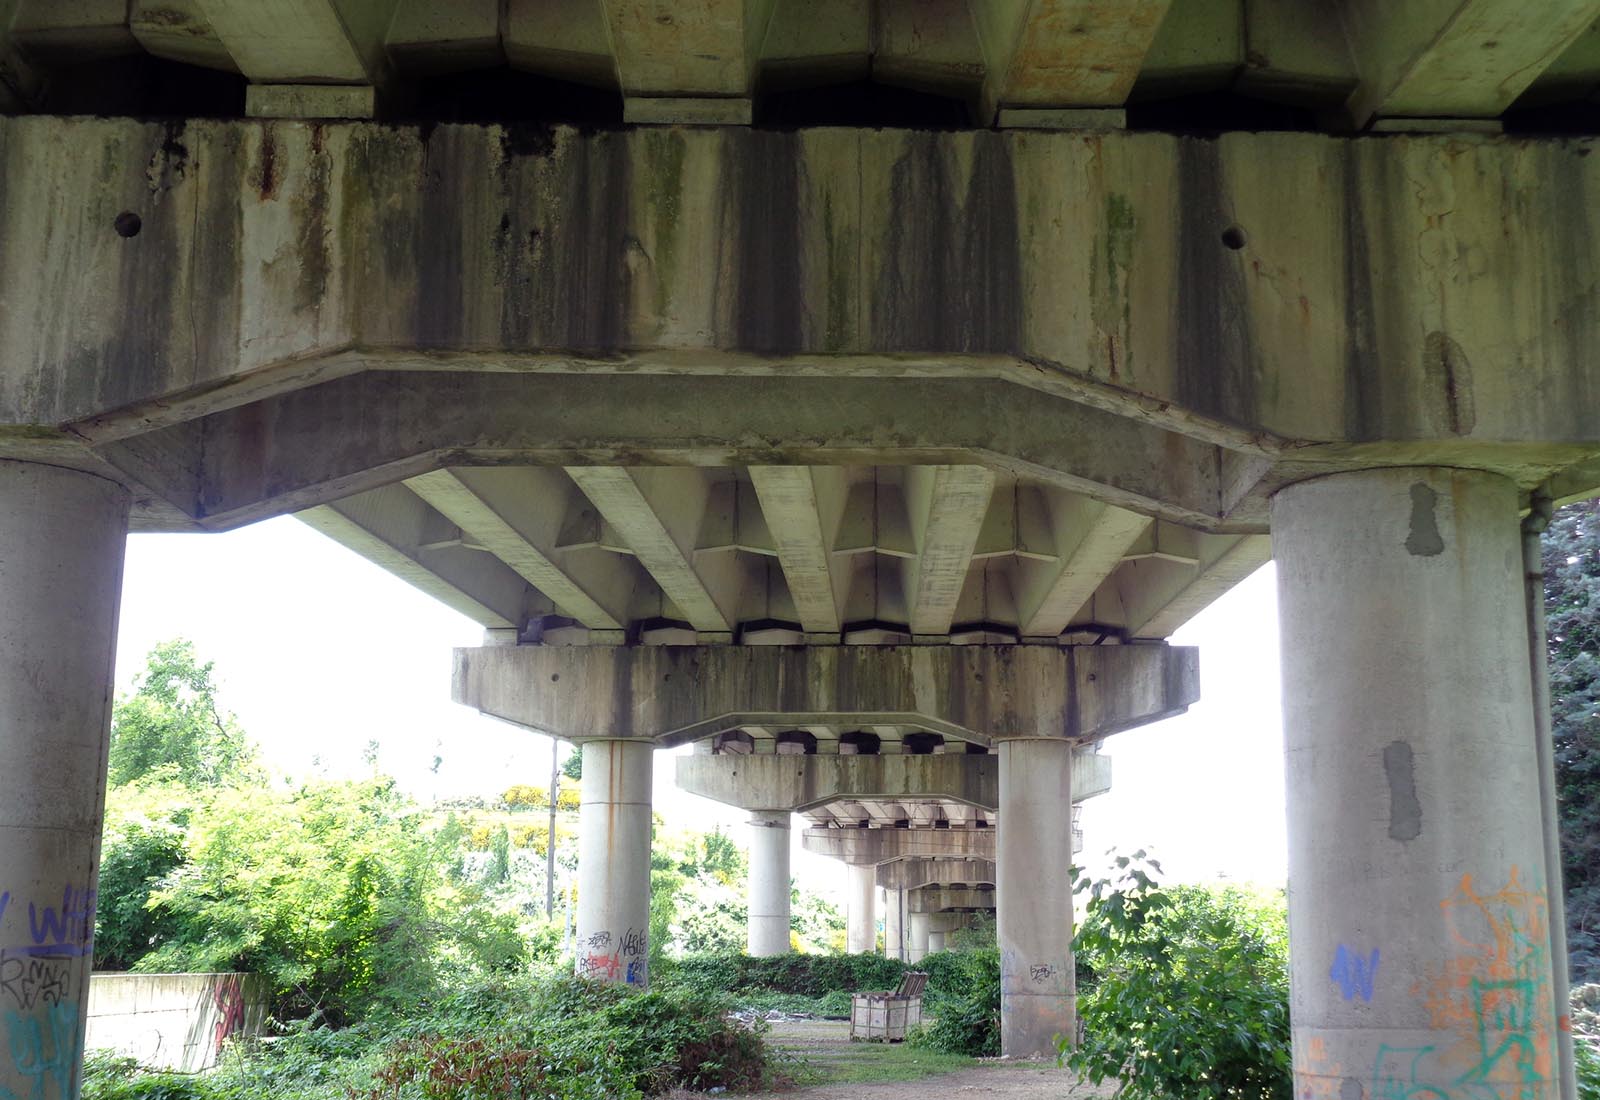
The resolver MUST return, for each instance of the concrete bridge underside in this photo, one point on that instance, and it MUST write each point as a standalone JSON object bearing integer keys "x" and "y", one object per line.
{"x": 877, "y": 461}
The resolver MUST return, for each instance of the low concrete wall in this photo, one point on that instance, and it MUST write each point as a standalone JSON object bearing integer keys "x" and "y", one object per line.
{"x": 173, "y": 1021}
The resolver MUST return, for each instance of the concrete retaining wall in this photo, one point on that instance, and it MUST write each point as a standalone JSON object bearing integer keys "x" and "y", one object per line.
{"x": 173, "y": 1021}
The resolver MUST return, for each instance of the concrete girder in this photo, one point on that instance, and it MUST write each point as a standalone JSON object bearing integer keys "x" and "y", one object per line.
{"x": 704, "y": 51}
{"x": 677, "y": 694}
{"x": 1053, "y": 593}
{"x": 427, "y": 37}
{"x": 1155, "y": 606}
{"x": 460, "y": 496}
{"x": 800, "y": 783}
{"x": 860, "y": 847}
{"x": 1063, "y": 53}
{"x": 303, "y": 41}
{"x": 1455, "y": 58}
{"x": 792, "y": 505}
{"x": 396, "y": 529}
{"x": 947, "y": 507}
{"x": 913, "y": 874}
{"x": 941, "y": 899}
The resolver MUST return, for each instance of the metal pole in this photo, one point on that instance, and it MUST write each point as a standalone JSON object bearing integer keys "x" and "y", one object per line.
{"x": 550, "y": 838}
{"x": 1538, "y": 518}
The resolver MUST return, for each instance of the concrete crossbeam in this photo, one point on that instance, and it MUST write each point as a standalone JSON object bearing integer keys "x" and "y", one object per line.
{"x": 914, "y": 874}
{"x": 1064, "y": 53}
{"x": 677, "y": 694}
{"x": 799, "y": 783}
{"x": 943, "y": 899}
{"x": 874, "y": 846}
{"x": 304, "y": 41}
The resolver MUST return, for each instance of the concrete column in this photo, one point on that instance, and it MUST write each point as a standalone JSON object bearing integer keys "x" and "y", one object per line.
{"x": 861, "y": 930}
{"x": 769, "y": 882}
{"x": 894, "y": 924}
{"x": 1038, "y": 993}
{"x": 1418, "y": 923}
{"x": 61, "y": 542}
{"x": 916, "y": 937}
{"x": 614, "y": 862}
{"x": 935, "y": 941}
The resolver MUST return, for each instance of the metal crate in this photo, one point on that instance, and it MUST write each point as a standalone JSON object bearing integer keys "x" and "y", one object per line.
{"x": 884, "y": 1017}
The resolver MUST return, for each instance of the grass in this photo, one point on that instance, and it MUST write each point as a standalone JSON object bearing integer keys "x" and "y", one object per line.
{"x": 813, "y": 1054}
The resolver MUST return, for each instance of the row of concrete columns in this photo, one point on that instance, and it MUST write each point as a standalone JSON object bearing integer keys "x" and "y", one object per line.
{"x": 1418, "y": 912}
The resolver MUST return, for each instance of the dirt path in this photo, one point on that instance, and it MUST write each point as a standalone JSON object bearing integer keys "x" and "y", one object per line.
{"x": 824, "y": 1045}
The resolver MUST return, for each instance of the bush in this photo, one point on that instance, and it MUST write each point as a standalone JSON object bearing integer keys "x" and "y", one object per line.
{"x": 807, "y": 975}
{"x": 1192, "y": 997}
{"x": 963, "y": 999}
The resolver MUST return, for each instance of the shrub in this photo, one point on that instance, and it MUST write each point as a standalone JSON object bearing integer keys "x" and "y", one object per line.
{"x": 807, "y": 975}
{"x": 1192, "y": 997}
{"x": 963, "y": 999}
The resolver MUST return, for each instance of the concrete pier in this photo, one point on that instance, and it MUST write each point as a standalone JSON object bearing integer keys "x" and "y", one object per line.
{"x": 916, "y": 937}
{"x": 769, "y": 883}
{"x": 935, "y": 941}
{"x": 861, "y": 930}
{"x": 1418, "y": 922}
{"x": 894, "y": 924}
{"x": 613, "y": 921}
{"x": 1033, "y": 858}
{"x": 61, "y": 542}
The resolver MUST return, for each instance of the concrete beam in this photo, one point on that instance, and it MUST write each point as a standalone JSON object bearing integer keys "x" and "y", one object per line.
{"x": 789, "y": 502}
{"x": 942, "y": 899}
{"x": 1157, "y": 605}
{"x": 913, "y": 874}
{"x": 1064, "y": 53}
{"x": 1052, "y": 595}
{"x": 304, "y": 41}
{"x": 875, "y": 846}
{"x": 1455, "y": 58}
{"x": 617, "y": 494}
{"x": 763, "y": 781}
{"x": 456, "y": 496}
{"x": 396, "y": 529}
{"x": 947, "y": 506}
{"x": 705, "y": 50}
{"x": 677, "y": 694}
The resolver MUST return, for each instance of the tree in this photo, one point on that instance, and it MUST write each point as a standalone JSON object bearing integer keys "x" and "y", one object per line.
{"x": 572, "y": 766}
{"x": 173, "y": 725}
{"x": 1571, "y": 555}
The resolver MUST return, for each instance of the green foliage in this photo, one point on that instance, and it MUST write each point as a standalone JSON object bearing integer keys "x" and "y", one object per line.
{"x": 1588, "y": 1060}
{"x": 144, "y": 842}
{"x": 963, "y": 998}
{"x": 572, "y": 766}
{"x": 802, "y": 975}
{"x": 172, "y": 727}
{"x": 1571, "y": 556}
{"x": 1192, "y": 997}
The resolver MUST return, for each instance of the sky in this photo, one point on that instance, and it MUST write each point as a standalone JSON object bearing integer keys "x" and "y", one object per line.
{"x": 319, "y": 653}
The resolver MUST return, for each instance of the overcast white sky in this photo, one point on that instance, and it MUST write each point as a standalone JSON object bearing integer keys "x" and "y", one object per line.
{"x": 319, "y": 652}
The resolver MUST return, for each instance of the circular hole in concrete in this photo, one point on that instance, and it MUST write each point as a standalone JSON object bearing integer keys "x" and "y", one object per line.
{"x": 127, "y": 224}
{"x": 1233, "y": 237}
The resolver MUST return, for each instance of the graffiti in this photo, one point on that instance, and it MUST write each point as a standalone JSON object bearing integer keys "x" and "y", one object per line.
{"x": 599, "y": 940}
{"x": 636, "y": 972}
{"x": 64, "y": 933}
{"x": 227, "y": 997}
{"x": 1041, "y": 972}
{"x": 1354, "y": 973}
{"x": 1395, "y": 1075}
{"x": 600, "y": 966}
{"x": 44, "y": 1050}
{"x": 625, "y": 963}
{"x": 635, "y": 942}
{"x": 29, "y": 982}
{"x": 5, "y": 900}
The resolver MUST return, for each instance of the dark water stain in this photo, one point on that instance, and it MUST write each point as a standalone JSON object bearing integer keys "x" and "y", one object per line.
{"x": 1405, "y": 809}
{"x": 765, "y": 190}
{"x": 1424, "y": 539}
{"x": 1352, "y": 1089}
{"x": 1217, "y": 372}
{"x": 1447, "y": 381}
{"x": 1363, "y": 403}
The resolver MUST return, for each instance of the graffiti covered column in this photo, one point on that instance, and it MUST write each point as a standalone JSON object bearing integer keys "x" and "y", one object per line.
{"x": 61, "y": 542}
{"x": 769, "y": 883}
{"x": 1418, "y": 924}
{"x": 1038, "y": 988}
{"x": 614, "y": 862}
{"x": 861, "y": 932}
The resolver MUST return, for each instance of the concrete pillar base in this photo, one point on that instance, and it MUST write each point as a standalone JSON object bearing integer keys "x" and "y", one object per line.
{"x": 613, "y": 920}
{"x": 894, "y": 924}
{"x": 1038, "y": 989}
{"x": 769, "y": 883}
{"x": 61, "y": 544}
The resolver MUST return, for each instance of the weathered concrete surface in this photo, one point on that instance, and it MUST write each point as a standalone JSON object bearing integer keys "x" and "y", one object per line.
{"x": 677, "y": 694}
{"x": 913, "y": 874}
{"x": 916, "y": 933}
{"x": 875, "y": 846}
{"x": 894, "y": 924}
{"x": 174, "y": 1021}
{"x": 762, "y": 782}
{"x": 861, "y": 917}
{"x": 1419, "y": 928}
{"x": 61, "y": 541}
{"x": 940, "y": 899}
{"x": 768, "y": 898}
{"x": 613, "y": 920}
{"x": 1033, "y": 860}
{"x": 272, "y": 256}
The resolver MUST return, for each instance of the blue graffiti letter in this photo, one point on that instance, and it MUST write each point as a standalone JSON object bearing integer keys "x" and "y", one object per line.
{"x": 1353, "y": 973}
